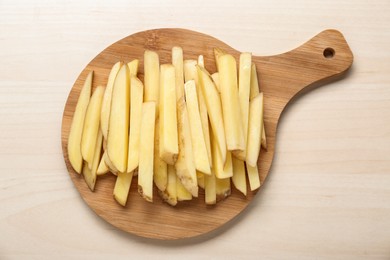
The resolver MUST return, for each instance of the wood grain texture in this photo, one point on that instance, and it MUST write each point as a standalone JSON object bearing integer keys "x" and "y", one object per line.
{"x": 281, "y": 78}
{"x": 327, "y": 195}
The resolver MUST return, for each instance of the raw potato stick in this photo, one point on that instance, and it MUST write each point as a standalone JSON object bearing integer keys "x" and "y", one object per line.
{"x": 133, "y": 67}
{"x": 230, "y": 103}
{"x": 200, "y": 177}
{"x": 254, "y": 131}
{"x": 109, "y": 164}
{"x": 118, "y": 132}
{"x": 198, "y": 142}
{"x": 122, "y": 187}
{"x": 263, "y": 137}
{"x": 215, "y": 77}
{"x": 181, "y": 192}
{"x": 214, "y": 109}
{"x": 185, "y": 167}
{"x": 145, "y": 168}
{"x": 136, "y": 96}
{"x": 169, "y": 195}
{"x": 254, "y": 92}
{"x": 169, "y": 148}
{"x": 89, "y": 177}
{"x": 191, "y": 73}
{"x": 201, "y": 61}
{"x": 177, "y": 61}
{"x": 152, "y": 78}
{"x": 253, "y": 177}
{"x": 239, "y": 178}
{"x": 190, "y": 70}
{"x": 102, "y": 168}
{"x": 160, "y": 170}
{"x": 76, "y": 128}
{"x": 228, "y": 167}
{"x": 244, "y": 84}
{"x": 91, "y": 126}
{"x": 218, "y": 53}
{"x": 222, "y": 188}
{"x": 210, "y": 189}
{"x": 220, "y": 171}
{"x": 90, "y": 174}
{"x": 106, "y": 103}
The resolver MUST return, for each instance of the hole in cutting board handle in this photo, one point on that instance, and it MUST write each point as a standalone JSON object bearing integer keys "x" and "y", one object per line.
{"x": 329, "y": 53}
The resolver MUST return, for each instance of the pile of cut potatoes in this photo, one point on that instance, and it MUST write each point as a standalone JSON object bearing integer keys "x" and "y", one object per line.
{"x": 181, "y": 129}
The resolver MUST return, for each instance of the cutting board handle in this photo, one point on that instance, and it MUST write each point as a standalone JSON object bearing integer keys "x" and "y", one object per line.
{"x": 325, "y": 57}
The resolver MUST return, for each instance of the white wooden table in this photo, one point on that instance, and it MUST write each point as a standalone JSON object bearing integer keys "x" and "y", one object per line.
{"x": 328, "y": 194}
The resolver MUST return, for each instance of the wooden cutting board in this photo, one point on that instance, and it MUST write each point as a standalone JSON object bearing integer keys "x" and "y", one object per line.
{"x": 282, "y": 77}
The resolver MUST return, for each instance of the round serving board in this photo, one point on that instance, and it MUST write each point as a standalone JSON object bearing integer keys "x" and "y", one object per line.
{"x": 281, "y": 77}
